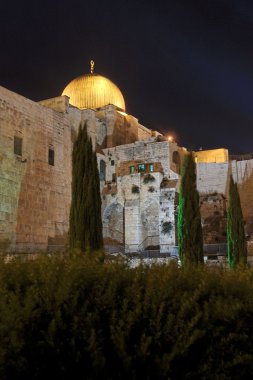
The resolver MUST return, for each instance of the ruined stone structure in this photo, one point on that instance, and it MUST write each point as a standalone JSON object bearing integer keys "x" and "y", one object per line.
{"x": 139, "y": 173}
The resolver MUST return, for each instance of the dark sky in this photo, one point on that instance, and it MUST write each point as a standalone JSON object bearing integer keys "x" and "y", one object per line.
{"x": 183, "y": 66}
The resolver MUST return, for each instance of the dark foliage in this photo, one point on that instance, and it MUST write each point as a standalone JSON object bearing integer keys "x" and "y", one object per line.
{"x": 135, "y": 189}
{"x": 148, "y": 178}
{"x": 237, "y": 245}
{"x": 151, "y": 189}
{"x": 166, "y": 228}
{"x": 190, "y": 238}
{"x": 85, "y": 213}
{"x": 74, "y": 318}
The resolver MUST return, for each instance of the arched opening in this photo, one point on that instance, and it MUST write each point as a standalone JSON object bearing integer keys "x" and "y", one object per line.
{"x": 176, "y": 160}
{"x": 102, "y": 170}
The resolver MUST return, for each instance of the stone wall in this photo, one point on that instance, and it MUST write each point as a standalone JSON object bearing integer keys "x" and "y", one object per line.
{"x": 212, "y": 177}
{"x": 213, "y": 155}
{"x": 35, "y": 196}
{"x": 144, "y": 133}
{"x": 168, "y": 216}
{"x": 124, "y": 167}
{"x": 247, "y": 206}
{"x": 213, "y": 182}
{"x": 60, "y": 103}
{"x": 146, "y": 206}
{"x": 213, "y": 211}
{"x": 146, "y": 151}
{"x": 120, "y": 128}
{"x": 243, "y": 174}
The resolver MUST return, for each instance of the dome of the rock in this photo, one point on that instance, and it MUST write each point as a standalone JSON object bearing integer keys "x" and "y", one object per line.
{"x": 93, "y": 91}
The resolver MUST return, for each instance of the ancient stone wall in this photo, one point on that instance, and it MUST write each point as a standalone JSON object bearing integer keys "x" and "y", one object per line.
{"x": 35, "y": 196}
{"x": 213, "y": 211}
{"x": 213, "y": 185}
{"x": 60, "y": 103}
{"x": 147, "y": 206}
{"x": 214, "y": 155}
{"x": 246, "y": 197}
{"x": 144, "y": 133}
{"x": 124, "y": 167}
{"x": 167, "y": 218}
{"x": 147, "y": 151}
{"x": 212, "y": 177}
{"x": 138, "y": 210}
{"x": 120, "y": 128}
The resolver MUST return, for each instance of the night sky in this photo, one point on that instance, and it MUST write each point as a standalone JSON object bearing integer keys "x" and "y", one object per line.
{"x": 184, "y": 67}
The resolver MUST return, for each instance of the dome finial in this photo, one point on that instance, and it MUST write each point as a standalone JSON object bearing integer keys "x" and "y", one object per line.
{"x": 92, "y": 64}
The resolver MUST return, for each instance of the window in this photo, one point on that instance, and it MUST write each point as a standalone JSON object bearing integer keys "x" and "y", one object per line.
{"x": 151, "y": 167}
{"x": 102, "y": 167}
{"x": 176, "y": 160}
{"x": 112, "y": 162}
{"x": 18, "y": 146}
{"x": 131, "y": 169}
{"x": 176, "y": 157}
{"x": 114, "y": 177}
{"x": 141, "y": 168}
{"x": 51, "y": 156}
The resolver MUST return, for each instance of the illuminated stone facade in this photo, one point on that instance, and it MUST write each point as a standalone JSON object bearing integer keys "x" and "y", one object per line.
{"x": 34, "y": 194}
{"x": 139, "y": 178}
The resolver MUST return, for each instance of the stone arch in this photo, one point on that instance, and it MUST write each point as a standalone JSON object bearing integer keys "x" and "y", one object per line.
{"x": 113, "y": 222}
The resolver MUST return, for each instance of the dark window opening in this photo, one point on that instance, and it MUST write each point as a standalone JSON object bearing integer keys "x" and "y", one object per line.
{"x": 176, "y": 157}
{"x": 114, "y": 177}
{"x": 18, "y": 146}
{"x": 112, "y": 162}
{"x": 131, "y": 169}
{"x": 176, "y": 160}
{"x": 51, "y": 157}
{"x": 102, "y": 167}
{"x": 151, "y": 167}
{"x": 141, "y": 168}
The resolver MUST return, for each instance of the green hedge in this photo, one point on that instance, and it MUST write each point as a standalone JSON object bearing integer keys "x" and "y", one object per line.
{"x": 62, "y": 317}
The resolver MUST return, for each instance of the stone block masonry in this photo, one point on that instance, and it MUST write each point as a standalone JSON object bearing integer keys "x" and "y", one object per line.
{"x": 35, "y": 196}
{"x": 139, "y": 178}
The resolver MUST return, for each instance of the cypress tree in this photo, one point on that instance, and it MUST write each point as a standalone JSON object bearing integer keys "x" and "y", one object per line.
{"x": 85, "y": 231}
{"x": 98, "y": 235}
{"x": 190, "y": 238}
{"x": 237, "y": 246}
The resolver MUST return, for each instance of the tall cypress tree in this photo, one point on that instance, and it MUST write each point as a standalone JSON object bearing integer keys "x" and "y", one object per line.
{"x": 190, "y": 238}
{"x": 85, "y": 230}
{"x": 97, "y": 221}
{"x": 237, "y": 246}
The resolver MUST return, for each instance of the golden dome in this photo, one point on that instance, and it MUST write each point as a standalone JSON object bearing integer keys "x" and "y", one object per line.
{"x": 93, "y": 91}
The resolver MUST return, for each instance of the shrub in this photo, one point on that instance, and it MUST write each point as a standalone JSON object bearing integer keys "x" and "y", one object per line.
{"x": 135, "y": 189}
{"x": 62, "y": 316}
{"x": 148, "y": 178}
{"x": 166, "y": 227}
{"x": 164, "y": 183}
